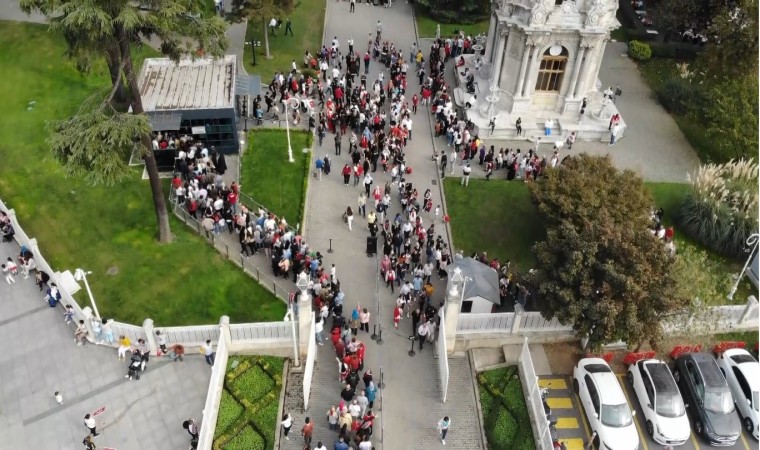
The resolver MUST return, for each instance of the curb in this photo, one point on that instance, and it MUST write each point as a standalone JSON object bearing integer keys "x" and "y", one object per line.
{"x": 481, "y": 421}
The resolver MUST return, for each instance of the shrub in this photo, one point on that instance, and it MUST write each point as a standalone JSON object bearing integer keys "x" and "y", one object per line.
{"x": 266, "y": 422}
{"x": 254, "y": 383}
{"x": 229, "y": 411}
{"x": 674, "y": 50}
{"x": 640, "y": 51}
{"x": 721, "y": 208}
{"x": 310, "y": 73}
{"x": 503, "y": 432}
{"x": 678, "y": 96}
{"x": 247, "y": 439}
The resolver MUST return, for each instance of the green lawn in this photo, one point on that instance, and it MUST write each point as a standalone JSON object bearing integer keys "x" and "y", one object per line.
{"x": 498, "y": 217}
{"x": 426, "y": 26}
{"x": 101, "y": 228}
{"x": 494, "y": 216}
{"x": 308, "y": 20}
{"x": 267, "y": 176}
{"x": 669, "y": 197}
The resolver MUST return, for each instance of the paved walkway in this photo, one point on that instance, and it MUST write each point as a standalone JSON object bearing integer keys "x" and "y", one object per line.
{"x": 39, "y": 357}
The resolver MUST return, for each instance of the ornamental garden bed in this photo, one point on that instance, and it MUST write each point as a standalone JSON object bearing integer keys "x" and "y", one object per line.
{"x": 247, "y": 417}
{"x": 505, "y": 414}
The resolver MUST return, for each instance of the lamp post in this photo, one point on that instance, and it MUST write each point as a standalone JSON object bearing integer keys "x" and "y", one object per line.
{"x": 752, "y": 243}
{"x": 81, "y": 275}
{"x": 290, "y": 102}
{"x": 253, "y": 45}
{"x": 458, "y": 279}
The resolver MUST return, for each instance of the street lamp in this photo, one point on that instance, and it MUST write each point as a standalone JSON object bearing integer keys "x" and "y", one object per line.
{"x": 752, "y": 243}
{"x": 293, "y": 103}
{"x": 253, "y": 45}
{"x": 302, "y": 283}
{"x": 81, "y": 275}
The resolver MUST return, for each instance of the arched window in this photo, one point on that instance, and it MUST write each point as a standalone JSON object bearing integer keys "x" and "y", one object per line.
{"x": 552, "y": 70}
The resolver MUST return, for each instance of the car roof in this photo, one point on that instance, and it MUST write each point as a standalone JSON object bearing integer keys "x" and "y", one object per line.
{"x": 750, "y": 369}
{"x": 709, "y": 369}
{"x": 661, "y": 377}
{"x": 609, "y": 389}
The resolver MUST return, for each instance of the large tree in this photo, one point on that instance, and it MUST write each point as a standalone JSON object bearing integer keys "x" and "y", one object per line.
{"x": 93, "y": 141}
{"x": 732, "y": 44}
{"x": 600, "y": 269}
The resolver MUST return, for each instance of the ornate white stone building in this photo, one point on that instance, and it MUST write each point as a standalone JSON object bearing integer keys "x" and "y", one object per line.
{"x": 542, "y": 59}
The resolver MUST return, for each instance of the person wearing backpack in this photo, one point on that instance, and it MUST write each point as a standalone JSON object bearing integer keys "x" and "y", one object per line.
{"x": 53, "y": 295}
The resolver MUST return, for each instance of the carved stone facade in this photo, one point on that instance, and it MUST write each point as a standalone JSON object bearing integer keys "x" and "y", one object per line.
{"x": 544, "y": 58}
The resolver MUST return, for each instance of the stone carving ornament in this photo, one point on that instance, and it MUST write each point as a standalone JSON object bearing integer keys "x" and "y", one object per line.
{"x": 569, "y": 6}
{"x": 595, "y": 14}
{"x": 538, "y": 14}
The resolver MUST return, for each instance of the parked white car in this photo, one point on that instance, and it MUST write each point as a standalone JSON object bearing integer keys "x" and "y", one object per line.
{"x": 742, "y": 373}
{"x": 661, "y": 401}
{"x": 603, "y": 400}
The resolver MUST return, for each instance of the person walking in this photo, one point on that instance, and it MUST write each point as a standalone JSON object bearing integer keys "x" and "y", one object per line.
{"x": 364, "y": 320}
{"x": 422, "y": 332}
{"x": 91, "y": 425}
{"x": 288, "y": 27}
{"x": 337, "y": 143}
{"x": 443, "y": 428}
{"x": 444, "y": 161}
{"x": 352, "y": 7}
{"x": 613, "y": 133}
{"x": 346, "y": 174}
{"x": 466, "y": 171}
{"x": 362, "y": 202}
{"x": 208, "y": 352}
{"x": 349, "y": 217}
{"x": 307, "y": 431}
{"x": 287, "y": 422}
{"x": 89, "y": 444}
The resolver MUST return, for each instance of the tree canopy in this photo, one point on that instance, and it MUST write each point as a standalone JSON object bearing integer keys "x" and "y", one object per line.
{"x": 600, "y": 269}
{"x": 96, "y": 140}
{"x": 456, "y": 11}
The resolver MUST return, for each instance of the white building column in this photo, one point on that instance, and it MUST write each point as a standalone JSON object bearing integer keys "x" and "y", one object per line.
{"x": 499, "y": 58}
{"x": 491, "y": 38}
{"x": 530, "y": 76}
{"x": 577, "y": 69}
{"x": 523, "y": 67}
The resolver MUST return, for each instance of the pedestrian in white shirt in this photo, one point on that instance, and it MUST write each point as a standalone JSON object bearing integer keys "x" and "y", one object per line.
{"x": 466, "y": 171}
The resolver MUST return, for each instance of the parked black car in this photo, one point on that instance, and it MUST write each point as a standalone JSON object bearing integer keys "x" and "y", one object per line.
{"x": 707, "y": 398}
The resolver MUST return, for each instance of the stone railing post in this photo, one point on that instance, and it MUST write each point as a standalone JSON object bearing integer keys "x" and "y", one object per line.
{"x": 305, "y": 316}
{"x": 516, "y": 322}
{"x": 224, "y": 333}
{"x": 750, "y": 310}
{"x": 451, "y": 317}
{"x": 150, "y": 337}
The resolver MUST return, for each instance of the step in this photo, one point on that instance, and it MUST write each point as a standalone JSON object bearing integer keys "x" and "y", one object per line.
{"x": 559, "y": 403}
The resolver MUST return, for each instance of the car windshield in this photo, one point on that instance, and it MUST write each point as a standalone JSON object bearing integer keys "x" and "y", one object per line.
{"x": 755, "y": 400}
{"x": 719, "y": 402}
{"x": 616, "y": 415}
{"x": 669, "y": 405}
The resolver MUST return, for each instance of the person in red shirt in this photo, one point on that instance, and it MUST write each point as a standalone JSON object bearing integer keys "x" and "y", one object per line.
{"x": 307, "y": 431}
{"x": 415, "y": 101}
{"x": 232, "y": 197}
{"x": 346, "y": 174}
{"x": 396, "y": 316}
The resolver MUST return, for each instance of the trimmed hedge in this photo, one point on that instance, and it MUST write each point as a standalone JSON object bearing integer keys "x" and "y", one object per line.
{"x": 640, "y": 51}
{"x": 250, "y": 402}
{"x": 505, "y": 413}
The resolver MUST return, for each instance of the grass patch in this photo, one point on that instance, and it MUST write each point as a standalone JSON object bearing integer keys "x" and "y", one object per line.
{"x": 426, "y": 26}
{"x": 502, "y": 222}
{"x": 254, "y": 387}
{"x": 505, "y": 413}
{"x": 96, "y": 227}
{"x": 669, "y": 197}
{"x": 268, "y": 177}
{"x": 307, "y": 20}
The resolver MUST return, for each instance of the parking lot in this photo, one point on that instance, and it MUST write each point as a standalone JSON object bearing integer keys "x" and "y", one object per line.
{"x": 573, "y": 428}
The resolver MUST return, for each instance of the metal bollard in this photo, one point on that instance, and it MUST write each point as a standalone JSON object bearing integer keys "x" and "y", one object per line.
{"x": 374, "y": 332}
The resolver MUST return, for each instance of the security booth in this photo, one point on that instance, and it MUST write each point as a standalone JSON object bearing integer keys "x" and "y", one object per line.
{"x": 193, "y": 98}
